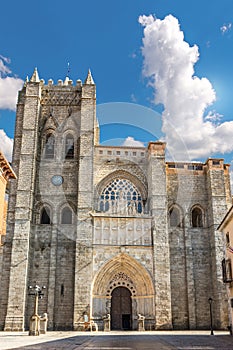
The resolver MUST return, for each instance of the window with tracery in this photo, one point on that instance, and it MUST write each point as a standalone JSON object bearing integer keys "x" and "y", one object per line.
{"x": 69, "y": 147}
{"x": 197, "y": 220}
{"x": 121, "y": 196}
{"x": 49, "y": 146}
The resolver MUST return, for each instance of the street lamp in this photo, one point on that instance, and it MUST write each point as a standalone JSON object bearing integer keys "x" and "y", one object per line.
{"x": 37, "y": 291}
{"x": 211, "y": 316}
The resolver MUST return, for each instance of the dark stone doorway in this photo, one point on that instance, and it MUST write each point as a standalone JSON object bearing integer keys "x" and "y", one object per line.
{"x": 121, "y": 309}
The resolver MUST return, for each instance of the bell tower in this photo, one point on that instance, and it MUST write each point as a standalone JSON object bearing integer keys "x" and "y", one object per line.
{"x": 21, "y": 203}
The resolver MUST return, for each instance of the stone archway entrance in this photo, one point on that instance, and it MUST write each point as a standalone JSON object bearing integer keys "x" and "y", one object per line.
{"x": 137, "y": 293}
{"x": 121, "y": 309}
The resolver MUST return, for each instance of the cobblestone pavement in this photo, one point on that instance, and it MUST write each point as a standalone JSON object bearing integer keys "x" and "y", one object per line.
{"x": 190, "y": 340}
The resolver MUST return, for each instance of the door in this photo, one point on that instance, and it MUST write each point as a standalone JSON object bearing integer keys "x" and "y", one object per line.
{"x": 121, "y": 309}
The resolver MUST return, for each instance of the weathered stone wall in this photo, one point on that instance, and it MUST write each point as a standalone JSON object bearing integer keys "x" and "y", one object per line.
{"x": 85, "y": 201}
{"x": 3, "y": 183}
{"x": 6, "y": 249}
{"x": 157, "y": 193}
{"x": 193, "y": 257}
{"x": 179, "y": 293}
{"x": 219, "y": 202}
{"x": 25, "y": 164}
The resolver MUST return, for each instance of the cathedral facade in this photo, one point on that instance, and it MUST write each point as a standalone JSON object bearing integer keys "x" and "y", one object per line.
{"x": 112, "y": 232}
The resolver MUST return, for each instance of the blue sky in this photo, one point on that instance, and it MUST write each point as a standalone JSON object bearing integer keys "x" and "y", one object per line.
{"x": 142, "y": 62}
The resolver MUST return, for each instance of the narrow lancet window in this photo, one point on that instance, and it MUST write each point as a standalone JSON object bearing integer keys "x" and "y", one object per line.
{"x": 50, "y": 146}
{"x": 69, "y": 147}
{"x": 197, "y": 220}
{"x": 45, "y": 216}
{"x": 174, "y": 217}
{"x": 66, "y": 216}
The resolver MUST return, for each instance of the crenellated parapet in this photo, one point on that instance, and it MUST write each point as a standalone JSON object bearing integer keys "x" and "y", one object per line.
{"x": 65, "y": 92}
{"x": 67, "y": 82}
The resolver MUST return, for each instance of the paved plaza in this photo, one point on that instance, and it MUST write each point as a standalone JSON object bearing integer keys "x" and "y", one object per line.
{"x": 190, "y": 340}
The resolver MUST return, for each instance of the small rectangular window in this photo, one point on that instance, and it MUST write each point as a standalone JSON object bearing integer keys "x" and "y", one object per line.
{"x": 62, "y": 290}
{"x": 118, "y": 153}
{"x": 109, "y": 152}
{"x": 231, "y": 302}
{"x": 134, "y": 154}
{"x": 226, "y": 271}
{"x": 100, "y": 152}
{"x": 180, "y": 166}
{"x": 199, "y": 167}
{"x": 227, "y": 238}
{"x": 216, "y": 162}
{"x": 126, "y": 153}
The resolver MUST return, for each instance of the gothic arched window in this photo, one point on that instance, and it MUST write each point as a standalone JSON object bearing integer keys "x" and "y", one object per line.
{"x": 121, "y": 196}
{"x": 50, "y": 146}
{"x": 197, "y": 219}
{"x": 174, "y": 216}
{"x": 69, "y": 147}
{"x": 45, "y": 217}
{"x": 66, "y": 216}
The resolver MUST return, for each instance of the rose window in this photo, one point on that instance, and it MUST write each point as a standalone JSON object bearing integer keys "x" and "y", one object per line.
{"x": 121, "y": 197}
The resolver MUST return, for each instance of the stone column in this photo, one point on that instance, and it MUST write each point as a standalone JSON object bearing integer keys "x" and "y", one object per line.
{"x": 52, "y": 278}
{"x": 191, "y": 298}
{"x": 158, "y": 209}
{"x": 83, "y": 260}
{"x": 219, "y": 203}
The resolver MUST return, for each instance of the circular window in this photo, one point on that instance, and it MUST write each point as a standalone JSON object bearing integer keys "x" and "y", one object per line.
{"x": 57, "y": 180}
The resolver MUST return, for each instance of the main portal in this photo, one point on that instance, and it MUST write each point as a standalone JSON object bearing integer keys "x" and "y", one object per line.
{"x": 121, "y": 309}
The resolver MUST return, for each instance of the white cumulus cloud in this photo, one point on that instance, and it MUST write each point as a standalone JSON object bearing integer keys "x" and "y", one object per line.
{"x": 131, "y": 142}
{"x": 9, "y": 85}
{"x": 6, "y": 145}
{"x": 169, "y": 64}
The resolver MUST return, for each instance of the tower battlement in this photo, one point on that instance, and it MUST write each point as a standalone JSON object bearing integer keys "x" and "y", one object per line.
{"x": 67, "y": 82}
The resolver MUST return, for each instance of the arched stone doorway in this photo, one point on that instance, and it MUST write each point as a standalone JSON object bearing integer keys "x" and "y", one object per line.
{"x": 121, "y": 309}
{"x": 123, "y": 271}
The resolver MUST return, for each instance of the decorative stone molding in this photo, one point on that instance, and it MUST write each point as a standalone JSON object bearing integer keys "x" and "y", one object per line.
{"x": 121, "y": 279}
{"x": 60, "y": 98}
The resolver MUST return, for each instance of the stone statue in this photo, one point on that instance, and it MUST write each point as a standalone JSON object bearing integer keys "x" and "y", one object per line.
{"x": 107, "y": 321}
{"x": 141, "y": 323}
{"x": 121, "y": 203}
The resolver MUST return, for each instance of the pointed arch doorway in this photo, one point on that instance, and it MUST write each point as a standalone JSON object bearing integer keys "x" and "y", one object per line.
{"x": 126, "y": 272}
{"x": 121, "y": 309}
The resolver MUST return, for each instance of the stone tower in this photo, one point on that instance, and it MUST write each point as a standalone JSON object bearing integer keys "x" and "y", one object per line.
{"x": 47, "y": 116}
{"x": 110, "y": 231}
